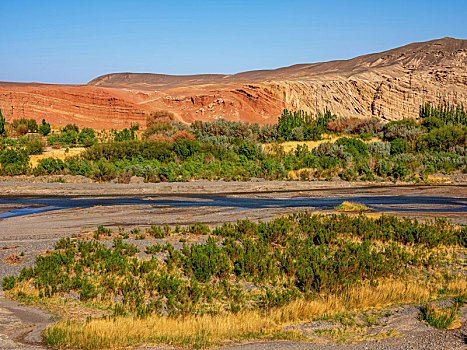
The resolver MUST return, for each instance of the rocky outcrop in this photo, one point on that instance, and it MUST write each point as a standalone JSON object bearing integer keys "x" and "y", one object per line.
{"x": 390, "y": 85}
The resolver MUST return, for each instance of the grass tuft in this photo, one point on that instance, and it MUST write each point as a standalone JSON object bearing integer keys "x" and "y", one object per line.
{"x": 440, "y": 318}
{"x": 438, "y": 180}
{"x": 206, "y": 331}
{"x": 350, "y": 206}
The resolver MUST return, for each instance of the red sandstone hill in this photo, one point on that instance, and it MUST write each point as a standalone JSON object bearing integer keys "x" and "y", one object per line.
{"x": 391, "y": 85}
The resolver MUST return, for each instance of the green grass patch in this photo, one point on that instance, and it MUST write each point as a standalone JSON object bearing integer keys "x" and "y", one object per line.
{"x": 440, "y": 318}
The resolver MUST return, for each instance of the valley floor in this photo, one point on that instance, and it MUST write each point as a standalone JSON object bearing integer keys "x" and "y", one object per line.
{"x": 37, "y": 232}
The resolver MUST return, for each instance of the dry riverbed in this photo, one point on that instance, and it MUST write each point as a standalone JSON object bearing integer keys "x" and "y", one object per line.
{"x": 22, "y": 238}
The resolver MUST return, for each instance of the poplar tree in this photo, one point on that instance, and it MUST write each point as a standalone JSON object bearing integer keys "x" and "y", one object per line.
{"x": 2, "y": 123}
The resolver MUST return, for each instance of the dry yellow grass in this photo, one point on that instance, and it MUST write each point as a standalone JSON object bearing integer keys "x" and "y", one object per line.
{"x": 303, "y": 173}
{"x": 436, "y": 180}
{"x": 351, "y": 206}
{"x": 190, "y": 331}
{"x": 292, "y": 145}
{"x": 208, "y": 330}
{"x": 355, "y": 333}
{"x": 61, "y": 154}
{"x": 65, "y": 307}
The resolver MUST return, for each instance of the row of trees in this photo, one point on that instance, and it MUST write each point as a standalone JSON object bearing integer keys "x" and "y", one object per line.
{"x": 23, "y": 126}
{"x": 230, "y": 150}
{"x": 302, "y": 126}
{"x": 447, "y": 113}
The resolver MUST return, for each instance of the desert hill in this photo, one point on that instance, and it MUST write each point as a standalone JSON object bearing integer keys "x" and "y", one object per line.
{"x": 391, "y": 85}
{"x": 440, "y": 53}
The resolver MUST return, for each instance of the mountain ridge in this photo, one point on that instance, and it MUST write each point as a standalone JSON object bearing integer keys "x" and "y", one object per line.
{"x": 390, "y": 85}
{"x": 153, "y": 80}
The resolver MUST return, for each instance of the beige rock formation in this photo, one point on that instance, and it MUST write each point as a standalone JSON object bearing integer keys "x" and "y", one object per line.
{"x": 390, "y": 85}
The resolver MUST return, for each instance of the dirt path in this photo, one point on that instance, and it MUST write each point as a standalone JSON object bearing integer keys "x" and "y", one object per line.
{"x": 21, "y": 326}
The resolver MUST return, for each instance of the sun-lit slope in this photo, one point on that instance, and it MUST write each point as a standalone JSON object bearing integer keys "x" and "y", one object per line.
{"x": 118, "y": 108}
{"x": 63, "y": 104}
{"x": 443, "y": 53}
{"x": 391, "y": 85}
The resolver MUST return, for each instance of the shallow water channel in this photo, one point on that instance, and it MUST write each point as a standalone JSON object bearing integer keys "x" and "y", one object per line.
{"x": 13, "y": 206}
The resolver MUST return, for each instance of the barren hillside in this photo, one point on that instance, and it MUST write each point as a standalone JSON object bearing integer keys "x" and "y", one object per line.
{"x": 391, "y": 84}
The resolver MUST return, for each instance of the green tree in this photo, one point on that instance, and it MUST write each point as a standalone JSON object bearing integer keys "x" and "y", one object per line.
{"x": 2, "y": 123}
{"x": 444, "y": 139}
{"x": 399, "y": 171}
{"x": 71, "y": 127}
{"x": 87, "y": 137}
{"x": 399, "y": 146}
{"x": 44, "y": 128}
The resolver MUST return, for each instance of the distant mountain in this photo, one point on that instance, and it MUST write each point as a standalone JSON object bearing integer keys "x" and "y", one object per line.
{"x": 442, "y": 53}
{"x": 390, "y": 84}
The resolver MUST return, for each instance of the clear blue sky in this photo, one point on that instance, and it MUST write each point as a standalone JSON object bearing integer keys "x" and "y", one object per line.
{"x": 70, "y": 41}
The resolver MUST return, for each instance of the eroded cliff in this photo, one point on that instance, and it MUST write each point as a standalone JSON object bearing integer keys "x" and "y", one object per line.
{"x": 390, "y": 85}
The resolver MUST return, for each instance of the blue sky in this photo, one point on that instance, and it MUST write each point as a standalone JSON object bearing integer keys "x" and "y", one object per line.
{"x": 72, "y": 42}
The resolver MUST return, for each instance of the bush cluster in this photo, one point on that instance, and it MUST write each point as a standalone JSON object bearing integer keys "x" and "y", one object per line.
{"x": 289, "y": 257}
{"x": 70, "y": 135}
{"x": 229, "y": 150}
{"x": 302, "y": 126}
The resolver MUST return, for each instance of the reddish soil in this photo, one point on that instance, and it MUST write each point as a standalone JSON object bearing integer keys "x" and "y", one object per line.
{"x": 390, "y": 85}
{"x": 105, "y": 108}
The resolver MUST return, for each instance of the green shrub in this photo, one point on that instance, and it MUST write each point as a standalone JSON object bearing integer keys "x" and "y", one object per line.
{"x": 71, "y": 127}
{"x": 348, "y": 175}
{"x": 8, "y": 282}
{"x": 460, "y": 300}
{"x": 249, "y": 150}
{"x": 407, "y": 129}
{"x": 432, "y": 123}
{"x": 104, "y": 170}
{"x": 14, "y": 162}
{"x": 87, "y": 137}
{"x": 295, "y": 256}
{"x": 162, "y": 151}
{"x": 199, "y": 229}
{"x": 444, "y": 139}
{"x": 101, "y": 230}
{"x": 157, "y": 232}
{"x": 11, "y": 156}
{"x": 49, "y": 166}
{"x": 229, "y": 150}
{"x": 399, "y": 146}
{"x": 327, "y": 149}
{"x": 66, "y": 137}
{"x": 35, "y": 144}
{"x": 355, "y": 147}
{"x": 124, "y": 135}
{"x": 44, "y": 128}
{"x": 185, "y": 148}
{"x": 87, "y": 291}
{"x": 23, "y": 125}
{"x": 399, "y": 171}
